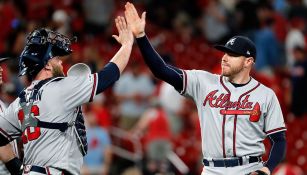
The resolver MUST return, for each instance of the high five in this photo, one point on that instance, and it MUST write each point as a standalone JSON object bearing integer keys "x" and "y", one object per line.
{"x": 236, "y": 112}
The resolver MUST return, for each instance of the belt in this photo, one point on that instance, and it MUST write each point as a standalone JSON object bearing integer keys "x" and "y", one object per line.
{"x": 44, "y": 170}
{"x": 38, "y": 169}
{"x": 231, "y": 162}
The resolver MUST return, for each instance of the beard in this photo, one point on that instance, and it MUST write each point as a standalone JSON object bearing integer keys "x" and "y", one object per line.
{"x": 57, "y": 71}
{"x": 231, "y": 71}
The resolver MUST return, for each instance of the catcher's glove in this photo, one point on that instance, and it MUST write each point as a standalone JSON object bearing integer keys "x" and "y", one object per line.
{"x": 257, "y": 172}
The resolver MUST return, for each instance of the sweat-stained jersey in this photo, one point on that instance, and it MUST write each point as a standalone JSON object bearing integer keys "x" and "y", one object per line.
{"x": 58, "y": 102}
{"x": 234, "y": 120}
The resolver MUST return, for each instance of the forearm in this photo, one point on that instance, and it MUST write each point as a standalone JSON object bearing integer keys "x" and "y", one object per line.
{"x": 6, "y": 153}
{"x": 151, "y": 57}
{"x": 158, "y": 67}
{"x": 278, "y": 150}
{"x": 121, "y": 58}
{"x": 12, "y": 163}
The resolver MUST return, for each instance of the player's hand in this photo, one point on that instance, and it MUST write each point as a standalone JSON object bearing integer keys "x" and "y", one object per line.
{"x": 136, "y": 24}
{"x": 266, "y": 170}
{"x": 125, "y": 36}
{"x": 262, "y": 171}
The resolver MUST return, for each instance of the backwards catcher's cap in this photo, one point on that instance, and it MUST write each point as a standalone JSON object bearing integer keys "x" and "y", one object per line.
{"x": 42, "y": 45}
{"x": 239, "y": 45}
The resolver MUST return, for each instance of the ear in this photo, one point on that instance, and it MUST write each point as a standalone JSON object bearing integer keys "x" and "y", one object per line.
{"x": 48, "y": 66}
{"x": 249, "y": 61}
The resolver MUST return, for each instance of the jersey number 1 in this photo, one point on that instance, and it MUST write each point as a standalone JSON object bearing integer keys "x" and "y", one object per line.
{"x": 31, "y": 133}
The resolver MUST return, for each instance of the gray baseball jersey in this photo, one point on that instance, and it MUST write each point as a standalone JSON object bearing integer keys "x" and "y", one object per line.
{"x": 3, "y": 169}
{"x": 234, "y": 120}
{"x": 58, "y": 102}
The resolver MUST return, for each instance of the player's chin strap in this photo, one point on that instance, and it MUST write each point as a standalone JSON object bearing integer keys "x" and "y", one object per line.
{"x": 26, "y": 103}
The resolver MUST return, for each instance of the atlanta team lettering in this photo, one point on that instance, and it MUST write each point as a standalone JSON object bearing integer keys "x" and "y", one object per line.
{"x": 223, "y": 101}
{"x": 244, "y": 107}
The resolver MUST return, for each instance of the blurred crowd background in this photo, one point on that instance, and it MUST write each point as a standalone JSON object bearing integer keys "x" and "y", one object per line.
{"x": 142, "y": 125}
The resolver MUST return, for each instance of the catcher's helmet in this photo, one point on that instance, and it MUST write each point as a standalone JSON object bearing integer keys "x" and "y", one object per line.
{"x": 42, "y": 45}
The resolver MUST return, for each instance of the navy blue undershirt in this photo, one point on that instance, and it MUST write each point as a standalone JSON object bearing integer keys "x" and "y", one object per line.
{"x": 107, "y": 77}
{"x": 278, "y": 149}
{"x": 240, "y": 85}
{"x": 174, "y": 77}
{"x": 158, "y": 67}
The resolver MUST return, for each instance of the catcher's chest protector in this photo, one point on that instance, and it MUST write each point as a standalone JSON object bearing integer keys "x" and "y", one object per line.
{"x": 26, "y": 102}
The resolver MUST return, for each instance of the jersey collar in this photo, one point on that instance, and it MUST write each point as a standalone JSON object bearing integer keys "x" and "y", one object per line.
{"x": 251, "y": 84}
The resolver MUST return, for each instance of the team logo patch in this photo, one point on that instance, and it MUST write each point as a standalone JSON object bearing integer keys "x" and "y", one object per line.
{"x": 242, "y": 107}
{"x": 91, "y": 77}
{"x": 231, "y": 41}
{"x": 254, "y": 114}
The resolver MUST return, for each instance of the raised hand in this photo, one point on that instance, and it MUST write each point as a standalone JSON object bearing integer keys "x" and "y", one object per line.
{"x": 135, "y": 23}
{"x": 125, "y": 35}
{"x": 262, "y": 171}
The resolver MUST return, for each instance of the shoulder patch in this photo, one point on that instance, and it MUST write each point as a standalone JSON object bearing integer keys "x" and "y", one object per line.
{"x": 91, "y": 78}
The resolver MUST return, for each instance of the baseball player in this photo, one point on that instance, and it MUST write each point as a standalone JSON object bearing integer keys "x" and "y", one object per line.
{"x": 9, "y": 157}
{"x": 236, "y": 112}
{"x": 47, "y": 113}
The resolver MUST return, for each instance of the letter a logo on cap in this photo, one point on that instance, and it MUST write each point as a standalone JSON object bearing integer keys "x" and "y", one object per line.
{"x": 231, "y": 41}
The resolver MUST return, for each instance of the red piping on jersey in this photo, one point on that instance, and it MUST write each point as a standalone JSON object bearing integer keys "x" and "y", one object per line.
{"x": 5, "y": 134}
{"x": 48, "y": 171}
{"x": 234, "y": 133}
{"x": 236, "y": 117}
{"x": 223, "y": 135}
{"x": 274, "y": 130}
{"x": 185, "y": 82}
{"x": 94, "y": 87}
{"x": 224, "y": 118}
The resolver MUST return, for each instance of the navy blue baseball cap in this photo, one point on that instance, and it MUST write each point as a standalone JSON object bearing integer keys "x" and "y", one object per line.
{"x": 239, "y": 45}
